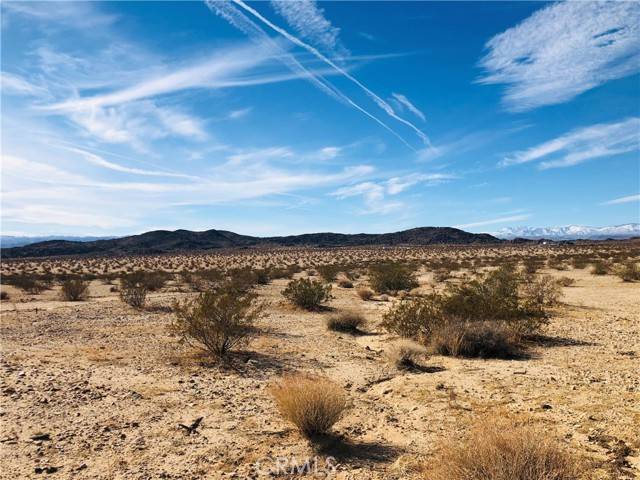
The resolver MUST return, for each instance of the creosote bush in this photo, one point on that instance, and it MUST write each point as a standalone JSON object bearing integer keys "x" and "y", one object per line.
{"x": 503, "y": 450}
{"x": 391, "y": 277}
{"x": 405, "y": 353}
{"x": 629, "y": 271}
{"x": 599, "y": 268}
{"x": 344, "y": 283}
{"x": 133, "y": 289}
{"x": 312, "y": 403}
{"x": 306, "y": 293}
{"x": 218, "y": 320}
{"x": 350, "y": 322}
{"x": 328, "y": 272}
{"x": 74, "y": 289}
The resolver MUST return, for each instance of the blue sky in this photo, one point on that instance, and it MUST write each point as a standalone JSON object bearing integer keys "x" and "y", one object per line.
{"x": 274, "y": 118}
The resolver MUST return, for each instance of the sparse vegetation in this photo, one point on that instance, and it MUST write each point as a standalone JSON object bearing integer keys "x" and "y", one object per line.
{"x": 344, "y": 283}
{"x": 313, "y": 404}
{"x": 75, "y": 290}
{"x": 391, "y": 277}
{"x": 328, "y": 272}
{"x": 4, "y": 295}
{"x": 364, "y": 293}
{"x": 350, "y": 322}
{"x": 306, "y": 293}
{"x": 217, "y": 321}
{"x": 599, "y": 268}
{"x": 629, "y": 271}
{"x": 500, "y": 450}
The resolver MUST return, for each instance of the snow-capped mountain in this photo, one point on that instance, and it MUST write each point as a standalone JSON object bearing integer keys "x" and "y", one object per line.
{"x": 571, "y": 232}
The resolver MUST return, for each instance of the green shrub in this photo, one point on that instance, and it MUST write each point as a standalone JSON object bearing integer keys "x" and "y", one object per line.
{"x": 391, "y": 277}
{"x": 217, "y": 321}
{"x": 306, "y": 293}
{"x": 328, "y": 272}
{"x": 415, "y": 318}
{"x": 27, "y": 282}
{"x": 74, "y": 290}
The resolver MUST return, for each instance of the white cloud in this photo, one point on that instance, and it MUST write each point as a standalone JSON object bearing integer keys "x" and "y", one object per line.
{"x": 14, "y": 84}
{"x": 79, "y": 15}
{"x": 493, "y": 221}
{"x": 329, "y": 153}
{"x": 403, "y": 101}
{"x": 228, "y": 10}
{"x": 627, "y": 199}
{"x": 582, "y": 144}
{"x": 563, "y": 50}
{"x": 240, "y": 113}
{"x": 309, "y": 21}
{"x": 260, "y": 155}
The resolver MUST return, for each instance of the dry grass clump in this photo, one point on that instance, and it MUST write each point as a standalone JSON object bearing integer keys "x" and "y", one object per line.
{"x": 312, "y": 403}
{"x": 350, "y": 322}
{"x": 502, "y": 450}
{"x": 344, "y": 283}
{"x": 75, "y": 289}
{"x": 306, "y": 293}
{"x": 599, "y": 268}
{"x": 405, "y": 353}
{"x": 566, "y": 281}
{"x": 365, "y": 293}
{"x": 217, "y": 321}
{"x": 391, "y": 277}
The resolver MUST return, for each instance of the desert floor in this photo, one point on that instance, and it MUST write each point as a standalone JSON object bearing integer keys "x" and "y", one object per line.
{"x": 97, "y": 389}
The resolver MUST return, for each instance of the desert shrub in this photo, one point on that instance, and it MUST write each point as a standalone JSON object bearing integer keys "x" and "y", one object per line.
{"x": 328, "y": 272}
{"x": 599, "y": 268}
{"x": 414, "y": 318}
{"x": 629, "y": 271}
{"x": 405, "y": 353}
{"x": 313, "y": 404}
{"x": 154, "y": 281}
{"x": 494, "y": 297}
{"x": 440, "y": 276}
{"x": 262, "y": 276}
{"x": 391, "y": 277}
{"x": 556, "y": 264}
{"x": 133, "y": 289}
{"x": 345, "y": 283}
{"x": 487, "y": 339}
{"x": 539, "y": 293}
{"x": 27, "y": 282}
{"x": 364, "y": 293}
{"x": 503, "y": 450}
{"x": 565, "y": 281}
{"x": 579, "y": 263}
{"x": 4, "y": 295}
{"x": 74, "y": 290}
{"x": 306, "y": 293}
{"x": 350, "y": 322}
{"x": 218, "y": 320}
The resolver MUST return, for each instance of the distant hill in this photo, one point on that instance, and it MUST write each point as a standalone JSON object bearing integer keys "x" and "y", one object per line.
{"x": 572, "y": 232}
{"x": 8, "y": 241}
{"x": 163, "y": 241}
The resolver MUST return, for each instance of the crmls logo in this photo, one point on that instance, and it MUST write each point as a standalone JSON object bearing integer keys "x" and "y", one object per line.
{"x": 296, "y": 466}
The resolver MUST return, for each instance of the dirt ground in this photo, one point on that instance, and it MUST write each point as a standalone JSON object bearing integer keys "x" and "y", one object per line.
{"x": 97, "y": 389}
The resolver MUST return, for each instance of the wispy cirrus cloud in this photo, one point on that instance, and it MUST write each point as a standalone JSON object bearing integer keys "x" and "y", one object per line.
{"x": 581, "y": 145}
{"x": 402, "y": 102}
{"x": 562, "y": 50}
{"x": 232, "y": 11}
{"x": 494, "y": 221}
{"x": 309, "y": 22}
{"x": 620, "y": 200}
{"x": 375, "y": 194}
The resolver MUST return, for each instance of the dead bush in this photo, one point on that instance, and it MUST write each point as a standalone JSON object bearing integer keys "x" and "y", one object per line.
{"x": 217, "y": 321}
{"x": 566, "y": 281}
{"x": 75, "y": 290}
{"x": 364, "y": 293}
{"x": 306, "y": 293}
{"x": 313, "y": 404}
{"x": 350, "y": 322}
{"x": 133, "y": 289}
{"x": 405, "y": 353}
{"x": 503, "y": 450}
{"x": 488, "y": 339}
{"x": 391, "y": 277}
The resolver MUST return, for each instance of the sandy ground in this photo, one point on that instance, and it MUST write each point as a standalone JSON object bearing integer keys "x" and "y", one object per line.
{"x": 96, "y": 389}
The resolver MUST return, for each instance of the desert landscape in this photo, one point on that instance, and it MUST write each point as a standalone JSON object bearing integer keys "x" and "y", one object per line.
{"x": 98, "y": 388}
